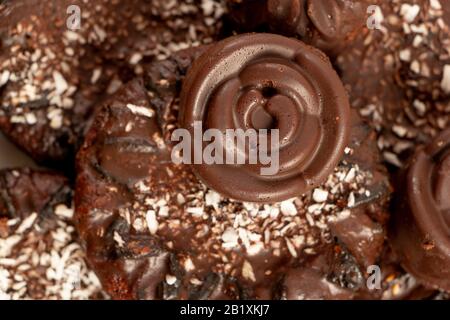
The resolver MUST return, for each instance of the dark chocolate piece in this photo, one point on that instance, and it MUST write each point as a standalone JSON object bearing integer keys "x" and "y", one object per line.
{"x": 40, "y": 257}
{"x": 264, "y": 81}
{"x": 153, "y": 231}
{"x": 420, "y": 232}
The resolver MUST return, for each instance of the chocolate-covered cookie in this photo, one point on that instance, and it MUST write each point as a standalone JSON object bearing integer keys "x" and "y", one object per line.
{"x": 60, "y": 58}
{"x": 40, "y": 257}
{"x": 420, "y": 231}
{"x": 153, "y": 230}
{"x": 327, "y": 24}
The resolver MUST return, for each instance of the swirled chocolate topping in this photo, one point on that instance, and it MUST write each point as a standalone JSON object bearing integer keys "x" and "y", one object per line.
{"x": 326, "y": 24}
{"x": 264, "y": 81}
{"x": 421, "y": 232}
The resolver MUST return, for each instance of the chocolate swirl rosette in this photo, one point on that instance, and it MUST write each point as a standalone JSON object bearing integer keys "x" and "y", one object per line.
{"x": 268, "y": 82}
{"x": 421, "y": 228}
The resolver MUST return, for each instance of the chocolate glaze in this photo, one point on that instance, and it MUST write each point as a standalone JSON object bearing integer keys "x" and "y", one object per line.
{"x": 421, "y": 225}
{"x": 265, "y": 81}
{"x": 326, "y": 24}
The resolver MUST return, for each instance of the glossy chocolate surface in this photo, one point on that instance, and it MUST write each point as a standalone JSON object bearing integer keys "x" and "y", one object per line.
{"x": 264, "y": 81}
{"x": 422, "y": 222}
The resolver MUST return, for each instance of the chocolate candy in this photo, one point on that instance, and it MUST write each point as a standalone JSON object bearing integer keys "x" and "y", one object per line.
{"x": 421, "y": 223}
{"x": 326, "y": 24}
{"x": 264, "y": 81}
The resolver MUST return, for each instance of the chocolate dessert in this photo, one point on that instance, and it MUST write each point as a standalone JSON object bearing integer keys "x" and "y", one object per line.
{"x": 39, "y": 254}
{"x": 154, "y": 230}
{"x": 226, "y": 149}
{"x": 422, "y": 219}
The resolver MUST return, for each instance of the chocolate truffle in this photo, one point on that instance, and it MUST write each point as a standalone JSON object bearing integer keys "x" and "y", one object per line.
{"x": 40, "y": 257}
{"x": 421, "y": 223}
{"x": 53, "y": 71}
{"x": 153, "y": 230}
